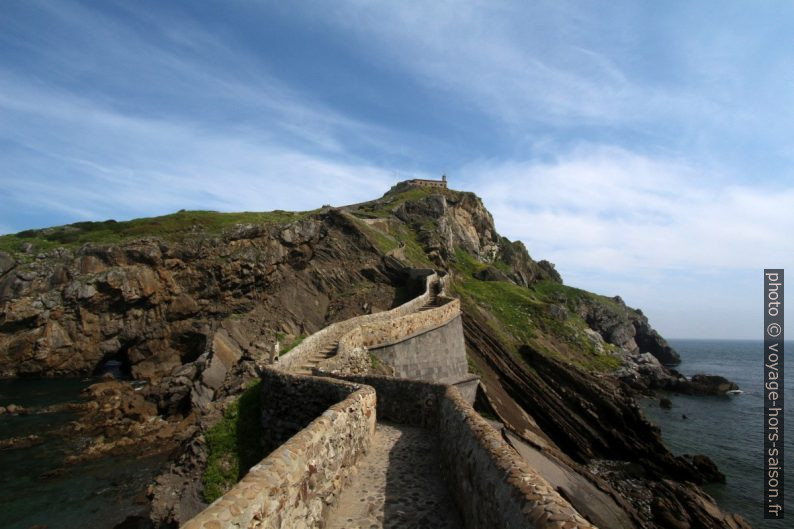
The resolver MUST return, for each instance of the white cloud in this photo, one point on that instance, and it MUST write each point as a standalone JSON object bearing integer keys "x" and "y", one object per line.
{"x": 145, "y": 113}
{"x": 517, "y": 62}
{"x": 606, "y": 208}
{"x": 682, "y": 242}
{"x": 89, "y": 161}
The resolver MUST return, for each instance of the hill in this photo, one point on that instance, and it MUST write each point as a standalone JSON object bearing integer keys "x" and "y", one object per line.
{"x": 191, "y": 303}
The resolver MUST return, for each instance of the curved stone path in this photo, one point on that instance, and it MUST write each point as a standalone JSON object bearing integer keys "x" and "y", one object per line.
{"x": 398, "y": 485}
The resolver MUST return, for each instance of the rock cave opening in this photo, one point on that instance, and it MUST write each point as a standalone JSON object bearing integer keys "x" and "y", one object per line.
{"x": 116, "y": 364}
{"x": 190, "y": 345}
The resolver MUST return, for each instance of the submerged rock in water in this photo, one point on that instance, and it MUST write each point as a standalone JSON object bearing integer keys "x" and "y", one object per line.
{"x": 706, "y": 467}
{"x": 701, "y": 385}
{"x": 20, "y": 442}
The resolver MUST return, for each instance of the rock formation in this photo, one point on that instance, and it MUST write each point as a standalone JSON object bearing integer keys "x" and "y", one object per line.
{"x": 187, "y": 317}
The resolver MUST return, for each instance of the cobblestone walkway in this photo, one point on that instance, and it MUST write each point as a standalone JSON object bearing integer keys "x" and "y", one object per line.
{"x": 398, "y": 486}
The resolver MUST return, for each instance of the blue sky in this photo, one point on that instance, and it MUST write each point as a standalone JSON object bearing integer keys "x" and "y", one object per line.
{"x": 644, "y": 147}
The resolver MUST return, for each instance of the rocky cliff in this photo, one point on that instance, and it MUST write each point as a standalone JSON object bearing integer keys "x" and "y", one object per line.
{"x": 187, "y": 305}
{"x": 155, "y": 305}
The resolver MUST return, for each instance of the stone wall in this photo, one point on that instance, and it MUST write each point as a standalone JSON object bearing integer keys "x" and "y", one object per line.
{"x": 393, "y": 330}
{"x": 290, "y": 403}
{"x": 428, "y": 183}
{"x": 467, "y": 386}
{"x": 403, "y": 401}
{"x": 294, "y": 486}
{"x": 436, "y": 353}
{"x": 426, "y": 344}
{"x": 323, "y": 338}
{"x": 489, "y": 481}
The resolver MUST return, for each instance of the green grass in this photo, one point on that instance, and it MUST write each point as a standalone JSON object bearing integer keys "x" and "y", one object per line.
{"x": 503, "y": 267}
{"x": 467, "y": 264}
{"x": 383, "y": 242}
{"x": 523, "y": 315}
{"x": 396, "y": 234}
{"x": 554, "y": 291}
{"x": 512, "y": 305}
{"x": 234, "y": 444}
{"x": 383, "y": 207}
{"x": 295, "y": 343}
{"x": 603, "y": 362}
{"x": 413, "y": 249}
{"x": 473, "y": 367}
{"x": 173, "y": 226}
{"x": 374, "y": 362}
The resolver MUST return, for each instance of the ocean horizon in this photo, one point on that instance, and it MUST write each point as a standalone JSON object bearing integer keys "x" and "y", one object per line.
{"x": 728, "y": 429}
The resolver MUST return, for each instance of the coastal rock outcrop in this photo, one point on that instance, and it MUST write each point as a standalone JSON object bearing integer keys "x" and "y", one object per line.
{"x": 593, "y": 422}
{"x": 625, "y": 327}
{"x": 452, "y": 221}
{"x": 699, "y": 384}
{"x": 6, "y": 263}
{"x": 182, "y": 322}
{"x": 185, "y": 320}
{"x": 153, "y": 305}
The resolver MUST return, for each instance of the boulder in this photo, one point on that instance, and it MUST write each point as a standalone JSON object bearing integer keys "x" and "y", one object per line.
{"x": 491, "y": 273}
{"x": 182, "y": 306}
{"x": 711, "y": 385}
{"x": 706, "y": 468}
{"x": 6, "y": 263}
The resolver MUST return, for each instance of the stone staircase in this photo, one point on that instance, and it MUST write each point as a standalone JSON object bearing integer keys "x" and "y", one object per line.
{"x": 314, "y": 360}
{"x": 437, "y": 464}
{"x": 433, "y": 302}
{"x": 400, "y": 484}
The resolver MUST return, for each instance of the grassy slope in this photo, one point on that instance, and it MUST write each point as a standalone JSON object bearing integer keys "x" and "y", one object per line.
{"x": 523, "y": 316}
{"x": 391, "y": 233}
{"x": 390, "y": 238}
{"x": 173, "y": 226}
{"x": 520, "y": 315}
{"x": 233, "y": 444}
{"x": 382, "y": 207}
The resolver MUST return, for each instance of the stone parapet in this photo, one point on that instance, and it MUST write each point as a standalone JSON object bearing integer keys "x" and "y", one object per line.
{"x": 433, "y": 354}
{"x": 403, "y": 401}
{"x": 490, "y": 482}
{"x": 492, "y": 485}
{"x": 388, "y": 331}
{"x": 296, "y": 484}
{"x": 399, "y": 329}
{"x": 335, "y": 332}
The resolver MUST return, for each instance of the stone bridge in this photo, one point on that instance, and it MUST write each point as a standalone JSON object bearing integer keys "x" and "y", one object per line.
{"x": 352, "y": 450}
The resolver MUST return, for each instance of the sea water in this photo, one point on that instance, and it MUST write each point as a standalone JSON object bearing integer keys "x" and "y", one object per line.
{"x": 38, "y": 489}
{"x": 101, "y": 493}
{"x": 728, "y": 429}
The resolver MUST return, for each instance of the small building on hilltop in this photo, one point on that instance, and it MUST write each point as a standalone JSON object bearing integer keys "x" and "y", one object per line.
{"x": 430, "y": 183}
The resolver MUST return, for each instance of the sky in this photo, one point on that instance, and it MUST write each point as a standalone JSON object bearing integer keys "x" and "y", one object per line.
{"x": 643, "y": 147}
